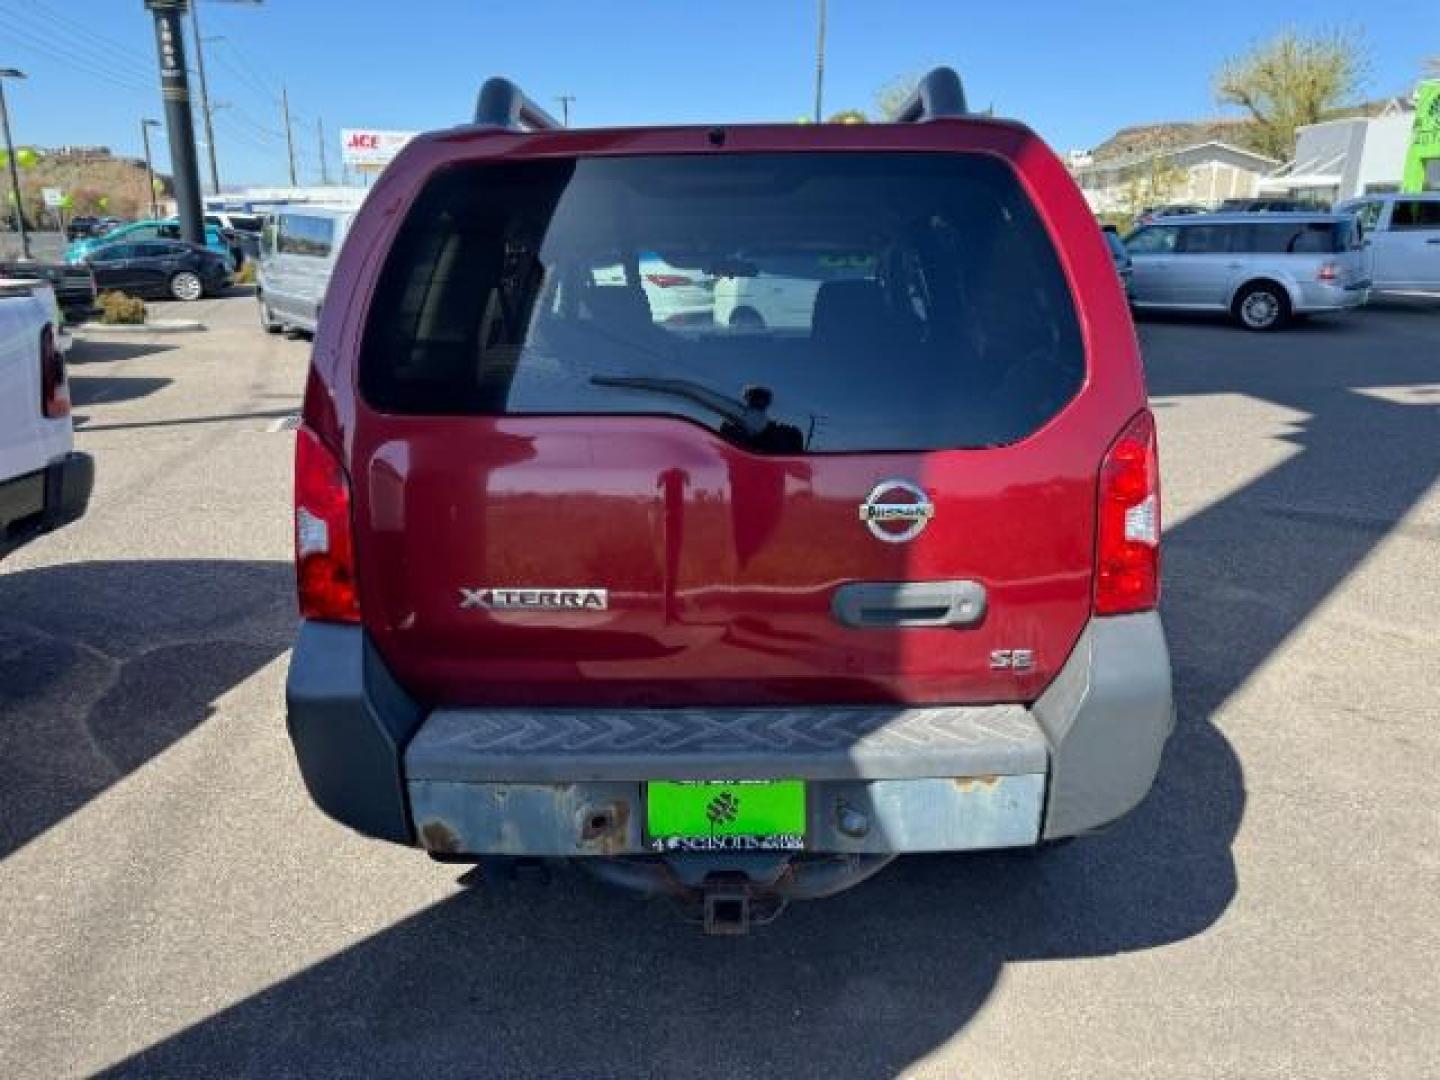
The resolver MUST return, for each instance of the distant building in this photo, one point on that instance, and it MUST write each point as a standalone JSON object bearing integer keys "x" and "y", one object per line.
{"x": 1078, "y": 159}
{"x": 84, "y": 152}
{"x": 1205, "y": 173}
{"x": 251, "y": 199}
{"x": 1339, "y": 159}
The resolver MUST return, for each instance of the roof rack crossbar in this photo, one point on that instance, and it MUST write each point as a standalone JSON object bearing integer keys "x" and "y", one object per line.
{"x": 938, "y": 94}
{"x": 503, "y": 104}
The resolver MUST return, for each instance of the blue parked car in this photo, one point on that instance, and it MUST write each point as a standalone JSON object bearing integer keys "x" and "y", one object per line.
{"x": 149, "y": 230}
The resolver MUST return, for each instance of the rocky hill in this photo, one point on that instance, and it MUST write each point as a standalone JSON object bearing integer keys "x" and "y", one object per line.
{"x": 1235, "y": 131}
{"x": 97, "y": 183}
{"x": 1150, "y": 137}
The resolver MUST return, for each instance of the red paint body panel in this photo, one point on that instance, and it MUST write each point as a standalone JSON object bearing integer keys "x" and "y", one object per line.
{"x": 720, "y": 563}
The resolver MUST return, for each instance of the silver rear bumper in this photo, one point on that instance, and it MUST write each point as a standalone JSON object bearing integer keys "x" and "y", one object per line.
{"x": 570, "y": 782}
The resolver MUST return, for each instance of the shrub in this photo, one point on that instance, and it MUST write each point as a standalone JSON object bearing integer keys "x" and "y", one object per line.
{"x": 120, "y": 308}
{"x": 1123, "y": 222}
{"x": 246, "y": 274}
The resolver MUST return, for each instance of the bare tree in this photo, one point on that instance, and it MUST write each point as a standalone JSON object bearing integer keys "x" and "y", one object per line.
{"x": 1292, "y": 80}
{"x": 893, "y": 94}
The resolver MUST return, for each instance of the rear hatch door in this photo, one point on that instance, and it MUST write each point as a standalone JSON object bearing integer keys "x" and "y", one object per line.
{"x": 568, "y": 495}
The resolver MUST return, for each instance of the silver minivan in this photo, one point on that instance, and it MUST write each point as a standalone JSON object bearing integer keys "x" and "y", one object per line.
{"x": 1402, "y": 240}
{"x": 298, "y": 246}
{"x": 1261, "y": 268}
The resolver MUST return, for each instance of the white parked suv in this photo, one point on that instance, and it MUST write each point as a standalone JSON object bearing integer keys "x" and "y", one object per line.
{"x": 1402, "y": 240}
{"x": 777, "y": 291}
{"x": 679, "y": 296}
{"x": 44, "y": 483}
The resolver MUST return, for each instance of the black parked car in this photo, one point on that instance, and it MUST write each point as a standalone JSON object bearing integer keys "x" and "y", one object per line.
{"x": 159, "y": 268}
{"x": 81, "y": 227}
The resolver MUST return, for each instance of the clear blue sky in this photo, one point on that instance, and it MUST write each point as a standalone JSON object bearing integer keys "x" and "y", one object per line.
{"x": 1073, "y": 70}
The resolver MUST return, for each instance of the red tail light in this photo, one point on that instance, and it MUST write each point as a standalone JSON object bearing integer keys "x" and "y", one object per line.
{"x": 1328, "y": 273}
{"x": 1127, "y": 563}
{"x": 668, "y": 281}
{"x": 54, "y": 387}
{"x": 324, "y": 536}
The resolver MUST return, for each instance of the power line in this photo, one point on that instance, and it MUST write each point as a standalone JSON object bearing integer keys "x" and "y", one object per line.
{"x": 120, "y": 63}
{"x": 256, "y": 128}
{"x": 247, "y": 71}
{"x": 233, "y": 131}
{"x": 25, "y": 41}
{"x": 89, "y": 34}
{"x": 253, "y": 86}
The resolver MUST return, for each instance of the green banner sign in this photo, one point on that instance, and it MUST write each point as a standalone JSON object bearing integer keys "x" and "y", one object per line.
{"x": 1422, "y": 163}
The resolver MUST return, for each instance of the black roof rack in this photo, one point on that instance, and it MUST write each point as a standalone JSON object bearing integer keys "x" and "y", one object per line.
{"x": 503, "y": 104}
{"x": 938, "y": 94}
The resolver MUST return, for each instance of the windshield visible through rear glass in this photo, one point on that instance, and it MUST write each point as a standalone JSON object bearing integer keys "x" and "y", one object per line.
{"x": 802, "y": 303}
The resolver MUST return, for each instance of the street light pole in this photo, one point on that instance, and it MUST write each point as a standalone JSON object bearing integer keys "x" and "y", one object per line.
{"x": 12, "y": 73}
{"x": 204, "y": 96}
{"x": 145, "y": 126}
{"x": 565, "y": 100}
{"x": 175, "y": 89}
{"x": 289, "y": 139}
{"x": 820, "y": 66}
{"x": 320, "y": 139}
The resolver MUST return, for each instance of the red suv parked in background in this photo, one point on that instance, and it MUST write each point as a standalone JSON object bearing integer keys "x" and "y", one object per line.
{"x": 727, "y": 609}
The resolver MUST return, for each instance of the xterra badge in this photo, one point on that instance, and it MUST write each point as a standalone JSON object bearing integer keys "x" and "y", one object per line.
{"x": 535, "y": 599}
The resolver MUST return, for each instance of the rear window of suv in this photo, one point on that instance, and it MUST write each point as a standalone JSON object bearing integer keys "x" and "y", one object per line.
{"x": 903, "y": 301}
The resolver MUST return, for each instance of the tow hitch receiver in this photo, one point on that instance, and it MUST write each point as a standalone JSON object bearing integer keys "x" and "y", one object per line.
{"x": 727, "y": 911}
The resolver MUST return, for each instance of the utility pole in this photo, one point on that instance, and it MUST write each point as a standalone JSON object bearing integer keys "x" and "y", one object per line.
{"x": 145, "y": 126}
{"x": 565, "y": 100}
{"x": 12, "y": 73}
{"x": 289, "y": 139}
{"x": 820, "y": 67}
{"x": 175, "y": 90}
{"x": 320, "y": 138}
{"x": 204, "y": 96}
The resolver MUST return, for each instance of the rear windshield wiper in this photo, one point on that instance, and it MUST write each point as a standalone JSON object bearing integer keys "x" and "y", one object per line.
{"x": 749, "y": 414}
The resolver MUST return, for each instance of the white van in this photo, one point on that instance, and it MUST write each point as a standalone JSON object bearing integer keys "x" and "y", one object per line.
{"x": 298, "y": 247}
{"x": 1402, "y": 239}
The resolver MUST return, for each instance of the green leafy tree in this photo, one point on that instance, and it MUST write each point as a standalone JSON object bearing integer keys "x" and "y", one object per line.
{"x": 1292, "y": 80}
{"x": 847, "y": 116}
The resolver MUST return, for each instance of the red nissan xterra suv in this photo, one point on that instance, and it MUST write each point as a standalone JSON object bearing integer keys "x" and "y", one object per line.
{"x": 741, "y": 608}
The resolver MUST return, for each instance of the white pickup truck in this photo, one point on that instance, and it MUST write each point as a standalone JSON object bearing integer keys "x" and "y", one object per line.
{"x": 44, "y": 483}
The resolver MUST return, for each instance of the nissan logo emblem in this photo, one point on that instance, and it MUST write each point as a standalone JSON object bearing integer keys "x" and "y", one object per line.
{"x": 896, "y": 511}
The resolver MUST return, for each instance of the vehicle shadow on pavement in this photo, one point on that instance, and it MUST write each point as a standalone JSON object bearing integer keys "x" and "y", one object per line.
{"x": 86, "y": 390}
{"x": 88, "y": 350}
{"x": 103, "y": 665}
{"x": 575, "y": 979}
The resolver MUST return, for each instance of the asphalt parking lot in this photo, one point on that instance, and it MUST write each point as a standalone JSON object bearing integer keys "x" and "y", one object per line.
{"x": 171, "y": 904}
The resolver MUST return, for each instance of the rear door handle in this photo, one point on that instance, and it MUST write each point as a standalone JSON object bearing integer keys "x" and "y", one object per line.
{"x": 901, "y": 604}
{"x": 1435, "y": 241}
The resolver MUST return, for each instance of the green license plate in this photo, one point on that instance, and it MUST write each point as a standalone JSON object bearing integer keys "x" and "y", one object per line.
{"x": 725, "y": 815}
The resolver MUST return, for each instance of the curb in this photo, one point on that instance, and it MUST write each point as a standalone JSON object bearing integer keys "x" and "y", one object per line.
{"x": 159, "y": 326}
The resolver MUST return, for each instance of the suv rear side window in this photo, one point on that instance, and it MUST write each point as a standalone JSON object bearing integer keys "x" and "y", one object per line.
{"x": 1295, "y": 238}
{"x": 915, "y": 300}
{"x": 303, "y": 235}
{"x": 1207, "y": 239}
{"x": 1415, "y": 214}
